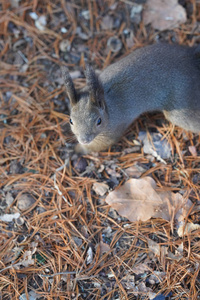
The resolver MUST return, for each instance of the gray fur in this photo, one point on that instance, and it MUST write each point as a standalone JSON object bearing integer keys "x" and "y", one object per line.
{"x": 160, "y": 77}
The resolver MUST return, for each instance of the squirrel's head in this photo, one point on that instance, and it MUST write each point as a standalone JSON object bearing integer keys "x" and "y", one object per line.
{"x": 88, "y": 113}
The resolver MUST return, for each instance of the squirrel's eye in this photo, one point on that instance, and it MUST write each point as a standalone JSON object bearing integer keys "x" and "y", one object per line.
{"x": 99, "y": 121}
{"x": 70, "y": 121}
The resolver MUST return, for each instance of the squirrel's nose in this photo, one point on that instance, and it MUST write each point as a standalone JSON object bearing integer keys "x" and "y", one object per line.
{"x": 85, "y": 139}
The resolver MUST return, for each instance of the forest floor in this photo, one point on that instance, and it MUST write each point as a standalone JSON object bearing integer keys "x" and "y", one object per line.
{"x": 59, "y": 239}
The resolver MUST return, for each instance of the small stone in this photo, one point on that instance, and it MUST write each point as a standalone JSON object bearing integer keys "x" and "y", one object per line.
{"x": 9, "y": 199}
{"x": 85, "y": 14}
{"x": 19, "y": 221}
{"x": 80, "y": 164}
{"x": 9, "y": 217}
{"x": 41, "y": 23}
{"x": 77, "y": 241}
{"x": 63, "y": 30}
{"x": 65, "y": 45}
{"x": 136, "y": 9}
{"x": 114, "y": 44}
{"x": 81, "y": 34}
{"x": 33, "y": 15}
{"x": 40, "y": 210}
{"x": 25, "y": 201}
{"x": 16, "y": 167}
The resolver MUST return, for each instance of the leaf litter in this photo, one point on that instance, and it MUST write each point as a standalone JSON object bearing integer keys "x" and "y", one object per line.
{"x": 66, "y": 243}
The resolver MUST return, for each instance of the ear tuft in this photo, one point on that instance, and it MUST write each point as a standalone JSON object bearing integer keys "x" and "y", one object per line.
{"x": 95, "y": 88}
{"x": 67, "y": 80}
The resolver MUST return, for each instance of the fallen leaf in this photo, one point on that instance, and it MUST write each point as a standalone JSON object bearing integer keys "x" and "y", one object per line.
{"x": 186, "y": 229}
{"x": 176, "y": 256}
{"x": 154, "y": 247}
{"x": 89, "y": 257}
{"x": 41, "y": 23}
{"x": 156, "y": 277}
{"x": 138, "y": 199}
{"x": 143, "y": 288}
{"x": 104, "y": 248}
{"x": 154, "y": 144}
{"x": 100, "y": 188}
{"x": 27, "y": 259}
{"x": 178, "y": 253}
{"x": 193, "y": 150}
{"x": 165, "y": 14}
{"x": 140, "y": 269}
{"x": 128, "y": 281}
{"x": 135, "y": 171}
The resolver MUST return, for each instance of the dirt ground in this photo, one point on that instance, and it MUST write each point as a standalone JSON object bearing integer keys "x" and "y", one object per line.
{"x": 59, "y": 239}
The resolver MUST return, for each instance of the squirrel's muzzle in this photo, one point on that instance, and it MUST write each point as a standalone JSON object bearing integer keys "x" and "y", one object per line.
{"x": 85, "y": 139}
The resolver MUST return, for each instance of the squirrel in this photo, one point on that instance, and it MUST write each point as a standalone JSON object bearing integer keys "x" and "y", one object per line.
{"x": 159, "y": 77}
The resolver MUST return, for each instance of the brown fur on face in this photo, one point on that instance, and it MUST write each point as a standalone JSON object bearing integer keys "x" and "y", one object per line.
{"x": 84, "y": 116}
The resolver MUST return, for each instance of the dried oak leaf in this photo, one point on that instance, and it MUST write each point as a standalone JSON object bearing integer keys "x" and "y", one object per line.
{"x": 165, "y": 14}
{"x": 138, "y": 200}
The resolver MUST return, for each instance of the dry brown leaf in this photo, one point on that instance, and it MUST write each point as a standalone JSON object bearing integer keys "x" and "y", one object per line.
{"x": 157, "y": 249}
{"x": 140, "y": 269}
{"x": 104, "y": 248}
{"x": 89, "y": 257}
{"x": 193, "y": 150}
{"x": 135, "y": 171}
{"x": 133, "y": 198}
{"x": 138, "y": 199}
{"x": 100, "y": 188}
{"x": 162, "y": 15}
{"x": 128, "y": 282}
{"x": 186, "y": 229}
{"x": 154, "y": 247}
{"x": 27, "y": 259}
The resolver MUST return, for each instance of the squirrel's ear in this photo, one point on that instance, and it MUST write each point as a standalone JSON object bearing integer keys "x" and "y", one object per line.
{"x": 71, "y": 93}
{"x": 96, "y": 92}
